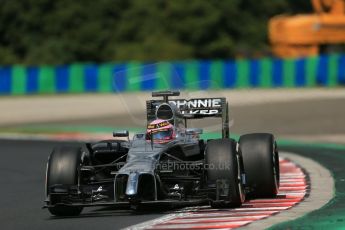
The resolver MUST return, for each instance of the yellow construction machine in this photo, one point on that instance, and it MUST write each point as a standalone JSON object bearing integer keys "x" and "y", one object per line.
{"x": 303, "y": 35}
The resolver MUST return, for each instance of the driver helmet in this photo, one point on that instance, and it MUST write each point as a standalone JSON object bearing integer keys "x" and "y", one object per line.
{"x": 161, "y": 131}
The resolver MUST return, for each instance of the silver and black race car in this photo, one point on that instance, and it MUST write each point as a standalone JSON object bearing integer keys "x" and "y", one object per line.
{"x": 168, "y": 164}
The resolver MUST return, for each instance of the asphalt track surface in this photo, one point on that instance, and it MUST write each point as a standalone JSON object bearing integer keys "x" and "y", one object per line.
{"x": 22, "y": 166}
{"x": 22, "y": 171}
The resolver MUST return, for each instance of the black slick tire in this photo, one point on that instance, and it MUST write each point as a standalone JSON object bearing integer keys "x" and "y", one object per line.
{"x": 261, "y": 164}
{"x": 62, "y": 169}
{"x": 223, "y": 163}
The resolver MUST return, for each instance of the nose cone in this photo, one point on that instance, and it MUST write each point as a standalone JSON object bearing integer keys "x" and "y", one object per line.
{"x": 132, "y": 184}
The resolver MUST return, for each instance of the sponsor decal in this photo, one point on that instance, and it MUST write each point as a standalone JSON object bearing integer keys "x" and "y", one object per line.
{"x": 158, "y": 125}
{"x": 207, "y": 106}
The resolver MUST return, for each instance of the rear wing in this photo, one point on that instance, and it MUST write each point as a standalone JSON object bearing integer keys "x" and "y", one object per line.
{"x": 195, "y": 108}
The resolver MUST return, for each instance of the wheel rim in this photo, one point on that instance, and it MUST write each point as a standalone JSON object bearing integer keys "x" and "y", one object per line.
{"x": 275, "y": 170}
{"x": 239, "y": 179}
{"x": 46, "y": 179}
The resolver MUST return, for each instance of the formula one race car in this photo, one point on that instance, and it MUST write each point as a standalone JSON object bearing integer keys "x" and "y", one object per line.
{"x": 168, "y": 164}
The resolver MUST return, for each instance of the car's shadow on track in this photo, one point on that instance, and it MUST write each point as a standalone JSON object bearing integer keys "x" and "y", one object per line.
{"x": 111, "y": 212}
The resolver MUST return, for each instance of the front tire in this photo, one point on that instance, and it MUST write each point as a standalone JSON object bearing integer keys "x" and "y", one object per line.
{"x": 261, "y": 164}
{"x": 224, "y": 163}
{"x": 62, "y": 169}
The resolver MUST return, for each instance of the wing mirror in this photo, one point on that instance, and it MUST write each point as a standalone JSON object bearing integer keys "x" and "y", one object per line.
{"x": 193, "y": 131}
{"x": 139, "y": 136}
{"x": 121, "y": 133}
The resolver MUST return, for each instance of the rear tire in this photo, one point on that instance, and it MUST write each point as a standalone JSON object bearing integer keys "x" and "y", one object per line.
{"x": 62, "y": 169}
{"x": 226, "y": 163}
{"x": 261, "y": 164}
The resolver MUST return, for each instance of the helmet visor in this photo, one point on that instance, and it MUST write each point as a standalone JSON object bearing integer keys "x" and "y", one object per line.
{"x": 165, "y": 134}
